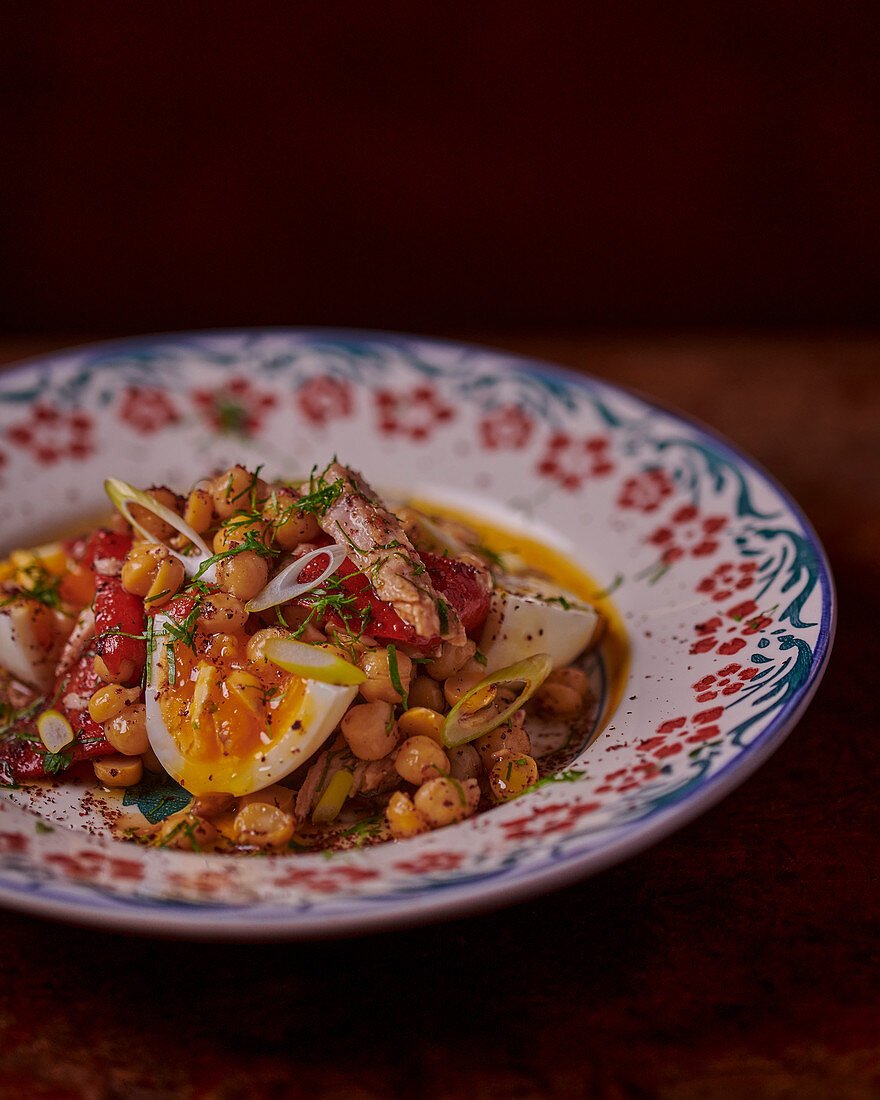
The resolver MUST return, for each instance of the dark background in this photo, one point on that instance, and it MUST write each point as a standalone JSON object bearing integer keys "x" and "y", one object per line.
{"x": 427, "y": 167}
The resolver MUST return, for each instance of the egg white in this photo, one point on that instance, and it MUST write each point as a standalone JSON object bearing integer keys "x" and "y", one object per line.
{"x": 22, "y": 652}
{"x": 527, "y": 615}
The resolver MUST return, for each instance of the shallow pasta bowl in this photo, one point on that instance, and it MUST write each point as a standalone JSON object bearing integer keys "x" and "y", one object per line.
{"x": 722, "y": 587}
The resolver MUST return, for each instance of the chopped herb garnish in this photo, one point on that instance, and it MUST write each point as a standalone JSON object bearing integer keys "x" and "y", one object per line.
{"x": 251, "y": 542}
{"x": 443, "y": 615}
{"x": 12, "y": 717}
{"x": 570, "y": 776}
{"x": 394, "y": 673}
{"x": 361, "y": 830}
{"x": 349, "y": 539}
{"x": 55, "y": 762}
{"x": 615, "y": 584}
{"x": 321, "y": 495}
{"x": 561, "y": 600}
{"x": 490, "y": 555}
{"x": 183, "y": 826}
{"x": 38, "y": 584}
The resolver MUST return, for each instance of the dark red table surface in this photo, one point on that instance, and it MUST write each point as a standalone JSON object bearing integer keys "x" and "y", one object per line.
{"x": 738, "y": 958}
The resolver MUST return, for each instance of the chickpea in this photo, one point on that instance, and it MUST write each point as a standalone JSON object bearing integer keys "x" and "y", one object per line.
{"x": 237, "y": 531}
{"x": 464, "y": 762}
{"x": 256, "y": 646}
{"x": 212, "y": 804}
{"x": 118, "y": 771}
{"x": 234, "y": 490}
{"x": 370, "y": 730}
{"x": 442, "y": 801}
{"x": 275, "y": 795}
{"x": 375, "y": 663}
{"x": 288, "y": 527}
{"x": 151, "y": 762}
{"x": 243, "y": 575}
{"x": 419, "y": 759}
{"x": 222, "y": 645}
{"x": 297, "y": 618}
{"x": 425, "y": 692}
{"x": 351, "y": 645}
{"x": 109, "y": 700}
{"x": 198, "y": 511}
{"x": 127, "y": 671}
{"x": 403, "y": 818}
{"x": 508, "y": 737}
{"x": 153, "y": 572}
{"x": 465, "y": 680}
{"x": 157, "y": 527}
{"x": 263, "y": 825}
{"x": 127, "y": 730}
{"x": 564, "y": 693}
{"x": 222, "y": 613}
{"x": 511, "y": 774}
{"x": 450, "y": 659}
{"x": 185, "y": 830}
{"x": 421, "y": 721}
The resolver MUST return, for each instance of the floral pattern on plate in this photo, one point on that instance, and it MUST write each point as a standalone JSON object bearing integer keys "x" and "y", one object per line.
{"x": 722, "y": 585}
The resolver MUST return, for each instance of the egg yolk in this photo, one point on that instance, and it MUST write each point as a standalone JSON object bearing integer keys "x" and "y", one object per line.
{"x": 222, "y": 711}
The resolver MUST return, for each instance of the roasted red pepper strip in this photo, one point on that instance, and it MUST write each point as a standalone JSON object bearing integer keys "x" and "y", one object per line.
{"x": 102, "y": 545}
{"x": 22, "y": 754}
{"x": 102, "y": 552}
{"x": 457, "y": 582}
{"x": 118, "y": 616}
{"x": 179, "y": 609}
{"x": 460, "y": 585}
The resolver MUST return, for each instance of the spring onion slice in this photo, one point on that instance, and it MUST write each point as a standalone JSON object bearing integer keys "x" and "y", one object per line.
{"x": 463, "y": 725}
{"x": 123, "y": 495}
{"x": 285, "y": 586}
{"x": 331, "y": 801}
{"x": 311, "y": 662}
{"x": 54, "y": 729}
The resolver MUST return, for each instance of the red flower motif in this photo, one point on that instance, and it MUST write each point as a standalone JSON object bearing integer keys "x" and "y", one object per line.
{"x": 629, "y": 778}
{"x": 646, "y": 491}
{"x": 674, "y": 734}
{"x": 570, "y": 462}
{"x": 52, "y": 435}
{"x": 237, "y": 408}
{"x": 727, "y": 578}
{"x": 147, "y": 410}
{"x": 726, "y": 681}
{"x": 324, "y": 880}
{"x": 413, "y": 413}
{"x": 689, "y": 534}
{"x": 709, "y": 633}
{"x": 13, "y": 842}
{"x": 325, "y": 398}
{"x": 430, "y": 861}
{"x": 507, "y": 428}
{"x": 545, "y": 820}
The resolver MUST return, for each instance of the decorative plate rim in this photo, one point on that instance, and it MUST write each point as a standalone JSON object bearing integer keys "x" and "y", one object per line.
{"x": 176, "y": 918}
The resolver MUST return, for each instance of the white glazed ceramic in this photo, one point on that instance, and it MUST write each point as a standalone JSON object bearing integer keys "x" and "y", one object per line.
{"x": 722, "y": 585}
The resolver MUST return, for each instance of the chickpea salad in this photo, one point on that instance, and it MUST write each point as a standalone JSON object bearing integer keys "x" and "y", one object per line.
{"x": 290, "y": 665}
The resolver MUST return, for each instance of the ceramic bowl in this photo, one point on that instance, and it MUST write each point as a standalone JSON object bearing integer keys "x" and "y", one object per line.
{"x": 721, "y": 584}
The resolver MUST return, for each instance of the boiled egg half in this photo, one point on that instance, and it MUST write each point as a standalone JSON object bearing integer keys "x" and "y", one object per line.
{"x": 31, "y": 640}
{"x": 219, "y": 722}
{"x": 530, "y": 615}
